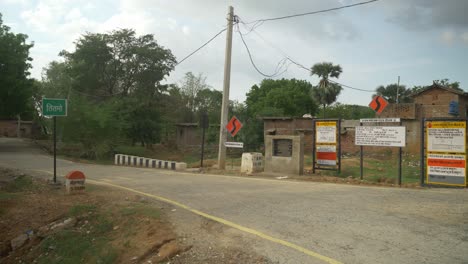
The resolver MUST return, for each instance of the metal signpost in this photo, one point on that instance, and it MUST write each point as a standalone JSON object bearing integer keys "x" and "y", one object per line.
{"x": 233, "y": 127}
{"x": 54, "y": 107}
{"x": 443, "y": 151}
{"x": 326, "y": 153}
{"x": 381, "y": 136}
{"x": 230, "y": 145}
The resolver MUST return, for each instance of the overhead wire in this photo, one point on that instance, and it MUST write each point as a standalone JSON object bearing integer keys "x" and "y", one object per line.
{"x": 312, "y": 12}
{"x": 293, "y": 61}
{"x": 202, "y": 46}
{"x": 278, "y": 67}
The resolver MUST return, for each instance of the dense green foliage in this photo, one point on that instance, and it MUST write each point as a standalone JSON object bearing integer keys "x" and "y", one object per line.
{"x": 390, "y": 91}
{"x": 113, "y": 84}
{"x": 16, "y": 88}
{"x": 272, "y": 98}
{"x": 349, "y": 112}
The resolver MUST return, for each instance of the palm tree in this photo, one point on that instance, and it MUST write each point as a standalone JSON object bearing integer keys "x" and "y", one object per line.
{"x": 326, "y": 93}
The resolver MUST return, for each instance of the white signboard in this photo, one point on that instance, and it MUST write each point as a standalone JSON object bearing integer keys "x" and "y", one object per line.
{"x": 446, "y": 137}
{"x": 326, "y": 132}
{"x": 326, "y": 155}
{"x": 380, "y": 120}
{"x": 234, "y": 144}
{"x": 384, "y": 136}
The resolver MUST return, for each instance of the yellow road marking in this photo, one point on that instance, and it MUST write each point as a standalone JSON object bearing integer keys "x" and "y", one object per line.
{"x": 228, "y": 223}
{"x": 123, "y": 178}
{"x": 222, "y": 221}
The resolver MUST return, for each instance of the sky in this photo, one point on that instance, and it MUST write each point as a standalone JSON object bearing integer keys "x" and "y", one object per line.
{"x": 418, "y": 40}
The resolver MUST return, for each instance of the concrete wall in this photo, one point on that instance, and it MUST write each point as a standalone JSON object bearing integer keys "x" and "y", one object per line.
{"x": 289, "y": 165}
{"x": 291, "y": 126}
{"x": 8, "y": 128}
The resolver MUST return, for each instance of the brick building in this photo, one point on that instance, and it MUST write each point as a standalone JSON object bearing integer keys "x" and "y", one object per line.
{"x": 432, "y": 101}
{"x": 9, "y": 128}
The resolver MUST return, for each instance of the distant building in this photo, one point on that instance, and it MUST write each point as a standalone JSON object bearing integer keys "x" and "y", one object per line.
{"x": 9, "y": 128}
{"x": 432, "y": 101}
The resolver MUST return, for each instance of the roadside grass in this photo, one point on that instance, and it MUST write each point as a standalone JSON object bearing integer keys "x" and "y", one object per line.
{"x": 80, "y": 209}
{"x": 382, "y": 169}
{"x": 5, "y": 196}
{"x": 69, "y": 247}
{"x": 92, "y": 244}
{"x": 20, "y": 184}
{"x": 143, "y": 210}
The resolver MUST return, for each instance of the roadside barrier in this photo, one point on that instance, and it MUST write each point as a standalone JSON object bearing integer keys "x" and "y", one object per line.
{"x": 134, "y": 161}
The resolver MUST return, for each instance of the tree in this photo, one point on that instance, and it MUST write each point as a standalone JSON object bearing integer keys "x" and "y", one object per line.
{"x": 350, "y": 112}
{"x": 326, "y": 93}
{"x": 288, "y": 97}
{"x": 190, "y": 87}
{"x": 390, "y": 91}
{"x": 446, "y": 82}
{"x": 119, "y": 62}
{"x": 113, "y": 82}
{"x": 272, "y": 98}
{"x": 15, "y": 85}
{"x": 443, "y": 82}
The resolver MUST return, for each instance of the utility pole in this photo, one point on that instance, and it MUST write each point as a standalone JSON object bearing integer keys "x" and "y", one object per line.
{"x": 226, "y": 84}
{"x": 398, "y": 91}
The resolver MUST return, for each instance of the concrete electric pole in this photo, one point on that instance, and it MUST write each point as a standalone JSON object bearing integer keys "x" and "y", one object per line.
{"x": 226, "y": 84}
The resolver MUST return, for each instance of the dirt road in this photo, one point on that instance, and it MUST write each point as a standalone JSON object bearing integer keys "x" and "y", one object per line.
{"x": 349, "y": 224}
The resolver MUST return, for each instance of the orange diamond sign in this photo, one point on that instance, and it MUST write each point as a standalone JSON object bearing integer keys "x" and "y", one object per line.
{"x": 233, "y": 126}
{"x": 378, "y": 104}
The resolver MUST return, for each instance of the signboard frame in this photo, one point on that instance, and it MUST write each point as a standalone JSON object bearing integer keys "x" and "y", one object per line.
{"x": 439, "y": 155}
{"x": 336, "y": 145}
{"x": 65, "y": 103}
{"x": 400, "y": 149}
{"x": 232, "y": 144}
{"x": 399, "y": 134}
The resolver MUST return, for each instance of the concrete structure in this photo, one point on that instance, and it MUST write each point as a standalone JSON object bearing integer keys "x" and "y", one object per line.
{"x": 290, "y": 126}
{"x": 284, "y": 154}
{"x": 9, "y": 128}
{"x": 187, "y": 135}
{"x": 127, "y": 160}
{"x": 251, "y": 162}
{"x": 75, "y": 182}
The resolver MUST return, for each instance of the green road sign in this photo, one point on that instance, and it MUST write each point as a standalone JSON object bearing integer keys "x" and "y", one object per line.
{"x": 54, "y": 107}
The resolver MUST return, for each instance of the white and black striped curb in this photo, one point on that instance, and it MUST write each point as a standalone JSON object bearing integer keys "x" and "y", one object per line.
{"x": 134, "y": 161}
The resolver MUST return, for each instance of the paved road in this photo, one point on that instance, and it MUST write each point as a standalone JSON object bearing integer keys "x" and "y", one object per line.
{"x": 351, "y": 224}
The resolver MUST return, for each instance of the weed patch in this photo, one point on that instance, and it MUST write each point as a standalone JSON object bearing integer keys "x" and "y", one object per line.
{"x": 80, "y": 209}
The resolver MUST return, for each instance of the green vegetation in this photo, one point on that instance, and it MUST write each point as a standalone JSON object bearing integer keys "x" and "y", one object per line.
{"x": 383, "y": 169}
{"x": 20, "y": 184}
{"x": 389, "y": 92}
{"x": 141, "y": 209}
{"x": 16, "y": 88}
{"x": 73, "y": 247}
{"x": 80, "y": 209}
{"x": 326, "y": 92}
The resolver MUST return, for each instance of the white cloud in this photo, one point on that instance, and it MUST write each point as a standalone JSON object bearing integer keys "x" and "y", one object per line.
{"x": 464, "y": 37}
{"x": 447, "y": 37}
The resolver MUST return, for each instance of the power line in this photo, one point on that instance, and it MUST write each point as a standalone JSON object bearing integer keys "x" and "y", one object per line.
{"x": 202, "y": 46}
{"x": 277, "y": 73}
{"x": 293, "y": 61}
{"x": 312, "y": 13}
